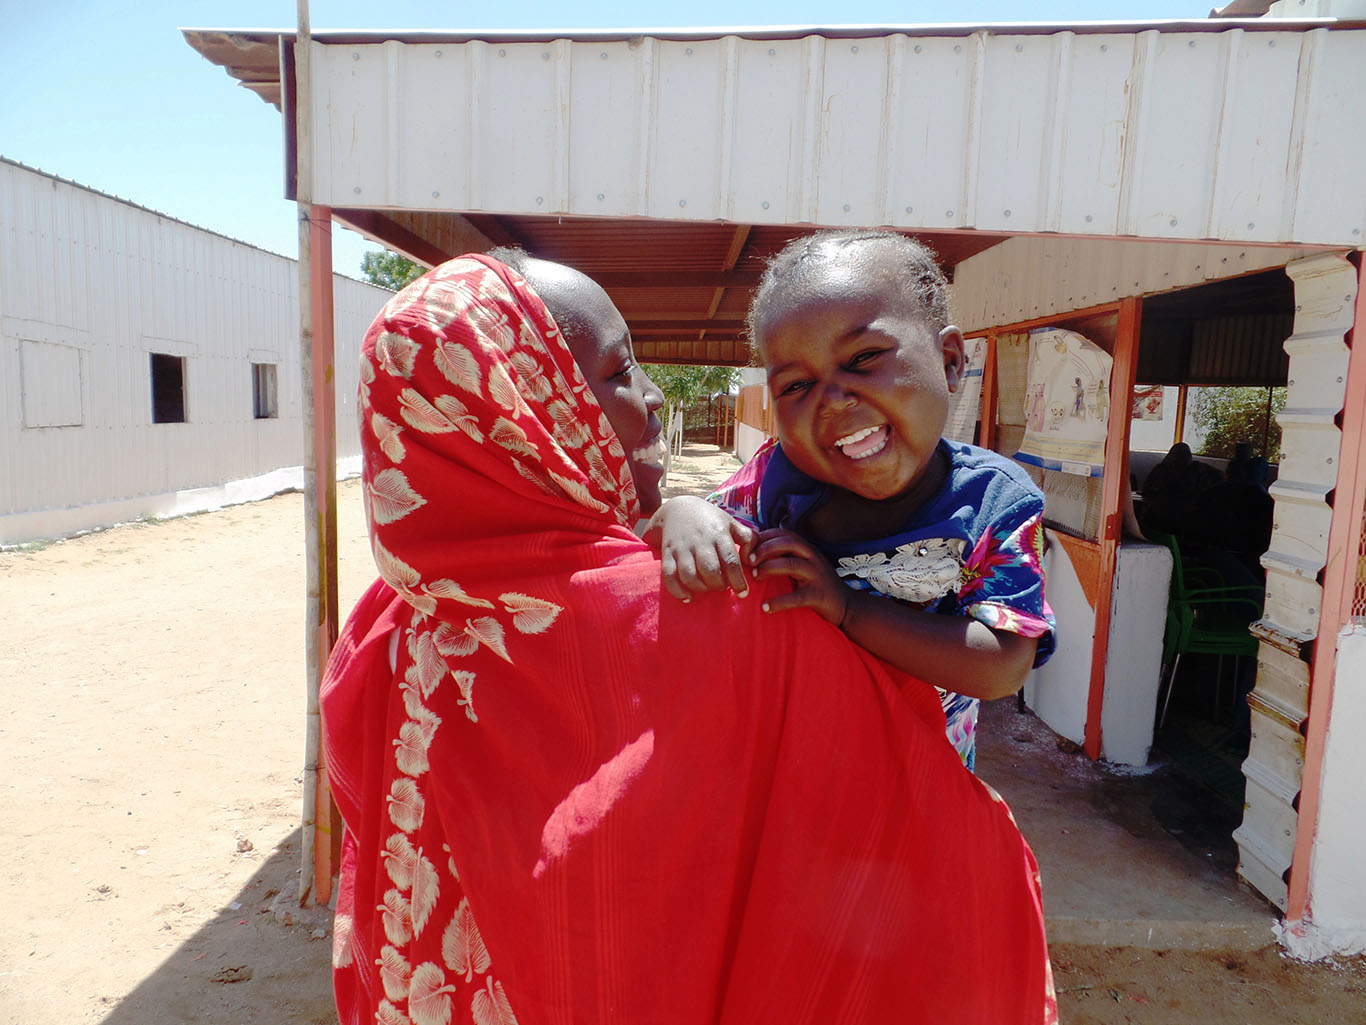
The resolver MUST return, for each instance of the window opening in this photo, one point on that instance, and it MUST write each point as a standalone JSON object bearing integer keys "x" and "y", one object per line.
{"x": 168, "y": 389}
{"x": 264, "y": 391}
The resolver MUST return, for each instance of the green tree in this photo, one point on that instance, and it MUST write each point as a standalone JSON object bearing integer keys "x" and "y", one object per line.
{"x": 389, "y": 270}
{"x": 1226, "y": 416}
{"x": 685, "y": 386}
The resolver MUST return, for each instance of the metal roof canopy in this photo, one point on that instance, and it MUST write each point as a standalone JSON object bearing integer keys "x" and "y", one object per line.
{"x": 669, "y": 165}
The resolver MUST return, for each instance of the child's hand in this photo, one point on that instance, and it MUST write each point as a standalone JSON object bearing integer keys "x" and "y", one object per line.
{"x": 815, "y": 583}
{"x": 697, "y": 544}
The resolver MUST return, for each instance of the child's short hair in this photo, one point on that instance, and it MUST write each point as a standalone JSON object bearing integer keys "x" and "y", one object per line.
{"x": 908, "y": 262}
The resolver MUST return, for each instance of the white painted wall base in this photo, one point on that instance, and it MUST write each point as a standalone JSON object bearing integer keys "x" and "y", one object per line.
{"x": 50, "y": 524}
{"x": 1058, "y": 690}
{"x": 1336, "y": 919}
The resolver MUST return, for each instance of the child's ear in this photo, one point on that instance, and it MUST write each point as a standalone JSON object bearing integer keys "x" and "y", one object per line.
{"x": 955, "y": 359}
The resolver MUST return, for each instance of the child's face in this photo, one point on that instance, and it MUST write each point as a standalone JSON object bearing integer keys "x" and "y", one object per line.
{"x": 860, "y": 382}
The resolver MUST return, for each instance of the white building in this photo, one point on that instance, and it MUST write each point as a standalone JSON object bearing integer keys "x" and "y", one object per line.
{"x": 147, "y": 367}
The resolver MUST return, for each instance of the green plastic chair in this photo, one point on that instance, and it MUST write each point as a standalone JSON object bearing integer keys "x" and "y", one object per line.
{"x": 1205, "y": 615}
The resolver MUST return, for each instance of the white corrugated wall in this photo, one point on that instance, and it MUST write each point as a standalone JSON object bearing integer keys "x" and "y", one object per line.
{"x": 90, "y": 287}
{"x": 1238, "y": 134}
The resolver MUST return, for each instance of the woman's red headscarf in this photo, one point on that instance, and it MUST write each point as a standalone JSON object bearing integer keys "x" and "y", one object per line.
{"x": 653, "y": 812}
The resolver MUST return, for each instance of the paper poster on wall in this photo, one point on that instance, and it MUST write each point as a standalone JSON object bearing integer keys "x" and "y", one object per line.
{"x": 967, "y": 400}
{"x": 1148, "y": 402}
{"x": 1067, "y": 403}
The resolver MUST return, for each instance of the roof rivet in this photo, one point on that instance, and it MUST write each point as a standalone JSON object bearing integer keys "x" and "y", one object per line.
{"x": 682, "y": 202}
{"x": 688, "y": 51}
{"x": 1088, "y": 218}
{"x": 957, "y": 47}
{"x": 1007, "y": 213}
{"x": 910, "y": 209}
{"x": 438, "y": 53}
{"x": 356, "y": 190}
{"x": 1019, "y": 47}
{"x": 917, "y": 47}
{"x": 764, "y": 204}
{"x": 502, "y": 53}
{"x": 436, "y": 194}
{"x": 847, "y": 208}
{"x": 1356, "y": 231}
{"x": 540, "y": 200}
{"x": 948, "y": 213}
{"x": 601, "y": 196}
{"x": 1104, "y": 47}
{"x": 853, "y": 49}
{"x": 545, "y": 55}
{"x": 772, "y": 52}
{"x": 1191, "y": 43}
{"x": 1173, "y": 222}
{"x": 1251, "y": 225}
{"x": 602, "y": 56}
{"x": 1271, "y": 42}
{"x": 355, "y": 56}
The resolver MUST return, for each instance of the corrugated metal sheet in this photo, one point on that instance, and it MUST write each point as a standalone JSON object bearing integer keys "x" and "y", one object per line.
{"x": 99, "y": 285}
{"x": 1029, "y": 278}
{"x": 1244, "y": 133}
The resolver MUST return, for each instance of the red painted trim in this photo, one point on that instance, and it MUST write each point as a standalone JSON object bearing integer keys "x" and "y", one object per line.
{"x": 1339, "y": 586}
{"x": 327, "y": 827}
{"x": 1111, "y": 513}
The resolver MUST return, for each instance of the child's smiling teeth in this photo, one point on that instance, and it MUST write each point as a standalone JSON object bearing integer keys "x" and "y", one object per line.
{"x": 864, "y": 443}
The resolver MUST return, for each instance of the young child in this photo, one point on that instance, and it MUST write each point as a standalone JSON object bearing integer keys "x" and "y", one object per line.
{"x": 861, "y": 500}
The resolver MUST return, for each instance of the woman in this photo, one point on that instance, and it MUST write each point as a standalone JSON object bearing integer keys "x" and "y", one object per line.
{"x": 568, "y": 801}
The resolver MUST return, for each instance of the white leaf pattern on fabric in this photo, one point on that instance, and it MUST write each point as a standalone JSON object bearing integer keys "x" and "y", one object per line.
{"x": 396, "y": 573}
{"x": 387, "y": 433}
{"x": 388, "y": 1014}
{"x": 394, "y": 972}
{"x": 533, "y": 380}
{"x": 533, "y": 477}
{"x": 397, "y": 917}
{"x": 420, "y": 413}
{"x": 465, "y": 681}
{"x": 426, "y": 891}
{"x": 410, "y": 749}
{"x": 490, "y": 1006}
{"x": 454, "y": 410}
{"x": 343, "y": 933}
{"x": 396, "y": 354}
{"x": 419, "y": 714}
{"x": 493, "y": 324}
{"x": 444, "y": 305}
{"x": 511, "y": 437}
{"x": 400, "y": 859}
{"x": 453, "y": 640}
{"x": 392, "y": 497}
{"x": 462, "y": 946}
{"x": 450, "y": 589}
{"x": 502, "y": 390}
{"x": 458, "y": 365}
{"x": 488, "y": 632}
{"x": 578, "y": 493}
{"x": 530, "y": 615}
{"x": 428, "y": 665}
{"x": 598, "y": 469}
{"x": 406, "y": 803}
{"x": 570, "y": 431}
{"x": 615, "y": 450}
{"x": 429, "y": 1000}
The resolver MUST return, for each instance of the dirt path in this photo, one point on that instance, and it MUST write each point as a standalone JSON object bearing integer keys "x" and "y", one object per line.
{"x": 150, "y": 768}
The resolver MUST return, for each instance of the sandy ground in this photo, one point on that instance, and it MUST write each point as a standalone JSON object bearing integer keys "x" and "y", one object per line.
{"x": 151, "y": 744}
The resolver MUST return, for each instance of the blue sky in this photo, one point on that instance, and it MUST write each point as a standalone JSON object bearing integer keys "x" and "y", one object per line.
{"x": 108, "y": 94}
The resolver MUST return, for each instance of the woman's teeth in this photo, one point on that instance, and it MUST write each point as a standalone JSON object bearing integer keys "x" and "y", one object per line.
{"x": 864, "y": 443}
{"x": 651, "y": 453}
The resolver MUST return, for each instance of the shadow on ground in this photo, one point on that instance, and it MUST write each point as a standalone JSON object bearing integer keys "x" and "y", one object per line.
{"x": 265, "y": 961}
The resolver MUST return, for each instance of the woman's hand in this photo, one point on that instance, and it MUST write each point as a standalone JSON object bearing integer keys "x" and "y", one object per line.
{"x": 701, "y": 548}
{"x": 815, "y": 583}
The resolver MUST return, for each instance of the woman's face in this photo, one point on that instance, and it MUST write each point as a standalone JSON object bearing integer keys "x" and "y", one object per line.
{"x": 601, "y": 343}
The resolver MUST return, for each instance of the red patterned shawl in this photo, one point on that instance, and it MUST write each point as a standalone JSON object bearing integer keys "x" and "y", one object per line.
{"x": 655, "y": 813}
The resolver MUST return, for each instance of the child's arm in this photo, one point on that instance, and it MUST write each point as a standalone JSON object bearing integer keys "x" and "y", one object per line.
{"x": 957, "y": 653}
{"x": 697, "y": 544}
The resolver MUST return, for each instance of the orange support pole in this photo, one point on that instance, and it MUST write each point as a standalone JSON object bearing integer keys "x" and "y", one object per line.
{"x": 987, "y": 438}
{"x": 1122, "y": 374}
{"x": 327, "y": 821}
{"x": 1339, "y": 589}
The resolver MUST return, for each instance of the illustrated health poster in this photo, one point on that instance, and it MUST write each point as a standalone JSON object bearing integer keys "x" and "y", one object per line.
{"x": 964, "y": 403}
{"x": 1067, "y": 403}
